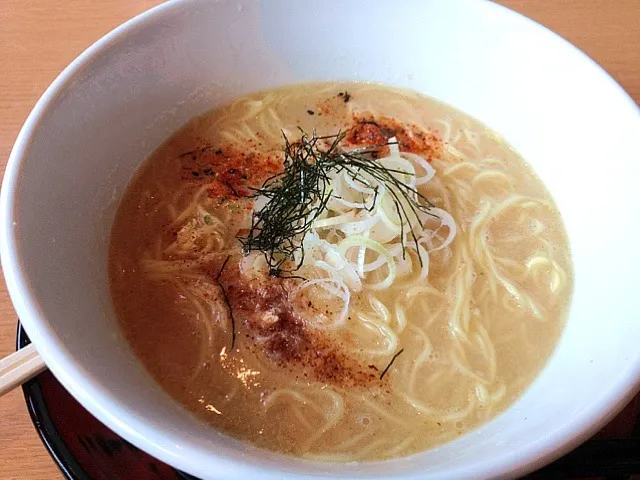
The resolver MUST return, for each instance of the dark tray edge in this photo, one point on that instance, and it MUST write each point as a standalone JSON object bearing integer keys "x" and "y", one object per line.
{"x": 44, "y": 425}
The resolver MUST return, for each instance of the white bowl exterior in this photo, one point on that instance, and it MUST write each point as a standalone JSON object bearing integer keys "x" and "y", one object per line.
{"x": 127, "y": 93}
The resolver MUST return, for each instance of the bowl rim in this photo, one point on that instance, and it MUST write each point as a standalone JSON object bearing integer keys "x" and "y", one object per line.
{"x": 110, "y": 410}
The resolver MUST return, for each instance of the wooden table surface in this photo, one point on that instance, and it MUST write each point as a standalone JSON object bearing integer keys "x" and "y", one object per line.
{"x": 39, "y": 38}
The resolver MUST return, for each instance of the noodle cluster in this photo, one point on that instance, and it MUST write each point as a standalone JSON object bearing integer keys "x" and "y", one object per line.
{"x": 489, "y": 270}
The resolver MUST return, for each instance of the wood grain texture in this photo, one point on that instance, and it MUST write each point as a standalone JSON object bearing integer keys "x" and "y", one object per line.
{"x": 38, "y": 39}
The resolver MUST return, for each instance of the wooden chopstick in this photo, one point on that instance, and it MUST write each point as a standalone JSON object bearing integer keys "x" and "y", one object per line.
{"x": 19, "y": 367}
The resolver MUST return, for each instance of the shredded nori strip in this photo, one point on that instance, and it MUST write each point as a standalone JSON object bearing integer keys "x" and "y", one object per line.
{"x": 390, "y": 363}
{"x": 226, "y": 300}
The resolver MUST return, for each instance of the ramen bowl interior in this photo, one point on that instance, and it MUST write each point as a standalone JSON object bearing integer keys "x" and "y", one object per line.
{"x": 115, "y": 104}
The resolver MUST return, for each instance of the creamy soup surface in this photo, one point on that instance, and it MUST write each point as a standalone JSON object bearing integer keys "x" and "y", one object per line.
{"x": 389, "y": 277}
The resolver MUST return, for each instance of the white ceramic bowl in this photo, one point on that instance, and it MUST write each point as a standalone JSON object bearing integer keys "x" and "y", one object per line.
{"x": 114, "y": 104}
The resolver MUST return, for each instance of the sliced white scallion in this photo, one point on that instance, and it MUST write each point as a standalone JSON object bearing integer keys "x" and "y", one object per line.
{"x": 446, "y": 220}
{"x": 335, "y": 287}
{"x": 360, "y": 241}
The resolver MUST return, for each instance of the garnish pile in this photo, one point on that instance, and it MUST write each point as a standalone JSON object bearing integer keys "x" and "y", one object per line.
{"x": 298, "y": 196}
